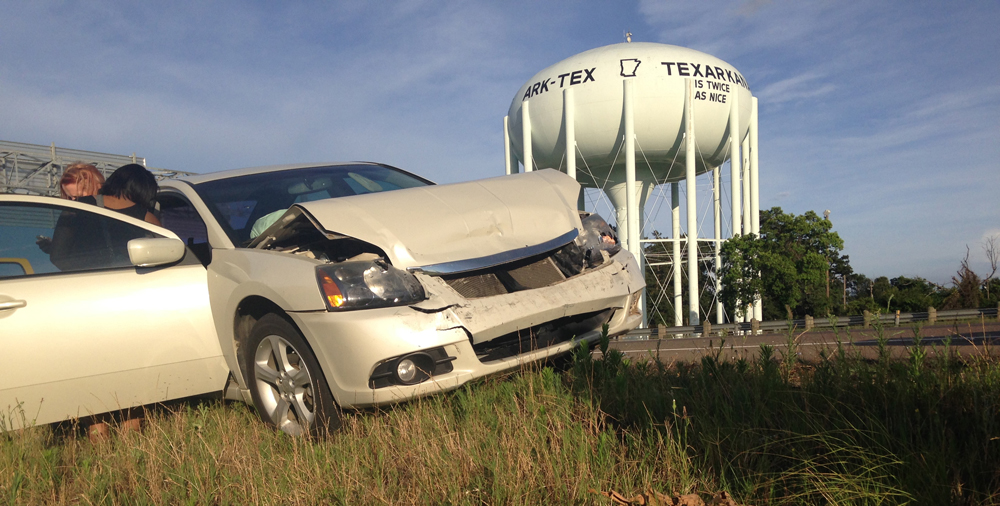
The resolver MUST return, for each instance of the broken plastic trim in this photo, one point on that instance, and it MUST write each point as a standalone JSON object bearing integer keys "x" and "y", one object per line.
{"x": 597, "y": 236}
{"x": 473, "y": 264}
{"x": 540, "y": 336}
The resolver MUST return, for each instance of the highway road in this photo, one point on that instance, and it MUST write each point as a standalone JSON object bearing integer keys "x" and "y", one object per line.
{"x": 966, "y": 339}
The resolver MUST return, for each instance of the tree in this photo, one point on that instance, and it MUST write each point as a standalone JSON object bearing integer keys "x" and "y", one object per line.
{"x": 840, "y": 272}
{"x": 916, "y": 294}
{"x": 991, "y": 245}
{"x": 740, "y": 283}
{"x": 883, "y": 291}
{"x": 967, "y": 283}
{"x": 794, "y": 255}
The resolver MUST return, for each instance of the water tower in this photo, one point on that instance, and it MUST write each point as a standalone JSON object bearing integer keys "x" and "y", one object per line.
{"x": 683, "y": 111}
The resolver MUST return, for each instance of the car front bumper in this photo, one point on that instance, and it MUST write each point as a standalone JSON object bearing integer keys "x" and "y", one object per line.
{"x": 349, "y": 345}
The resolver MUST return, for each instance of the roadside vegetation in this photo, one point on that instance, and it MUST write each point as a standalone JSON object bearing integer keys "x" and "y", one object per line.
{"x": 767, "y": 430}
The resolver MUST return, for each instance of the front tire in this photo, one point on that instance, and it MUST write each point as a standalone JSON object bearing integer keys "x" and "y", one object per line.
{"x": 285, "y": 380}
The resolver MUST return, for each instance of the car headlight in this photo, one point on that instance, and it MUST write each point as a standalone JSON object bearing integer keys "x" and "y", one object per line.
{"x": 597, "y": 236}
{"x": 360, "y": 285}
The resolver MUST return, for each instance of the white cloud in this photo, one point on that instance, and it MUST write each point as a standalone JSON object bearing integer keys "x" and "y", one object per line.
{"x": 802, "y": 86}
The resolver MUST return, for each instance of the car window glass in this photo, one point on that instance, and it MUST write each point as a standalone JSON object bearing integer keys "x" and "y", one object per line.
{"x": 10, "y": 267}
{"x": 181, "y": 218}
{"x": 309, "y": 197}
{"x": 238, "y": 202}
{"x": 356, "y": 187}
{"x": 236, "y": 213}
{"x": 44, "y": 239}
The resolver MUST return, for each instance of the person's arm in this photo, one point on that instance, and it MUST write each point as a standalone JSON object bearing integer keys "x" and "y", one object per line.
{"x": 151, "y": 218}
{"x": 60, "y": 247}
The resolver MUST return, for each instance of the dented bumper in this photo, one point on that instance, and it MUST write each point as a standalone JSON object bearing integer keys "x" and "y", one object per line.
{"x": 546, "y": 322}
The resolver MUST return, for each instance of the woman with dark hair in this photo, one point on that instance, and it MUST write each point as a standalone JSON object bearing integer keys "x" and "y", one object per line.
{"x": 130, "y": 190}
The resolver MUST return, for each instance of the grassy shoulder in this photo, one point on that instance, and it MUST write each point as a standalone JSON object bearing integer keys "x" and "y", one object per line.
{"x": 767, "y": 430}
{"x": 517, "y": 439}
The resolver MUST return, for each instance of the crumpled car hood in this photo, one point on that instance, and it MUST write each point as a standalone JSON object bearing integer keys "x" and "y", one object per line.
{"x": 431, "y": 225}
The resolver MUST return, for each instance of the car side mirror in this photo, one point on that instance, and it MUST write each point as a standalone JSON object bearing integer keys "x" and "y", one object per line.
{"x": 154, "y": 252}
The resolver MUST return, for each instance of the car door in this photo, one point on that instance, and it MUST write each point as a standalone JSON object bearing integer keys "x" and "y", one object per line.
{"x": 82, "y": 329}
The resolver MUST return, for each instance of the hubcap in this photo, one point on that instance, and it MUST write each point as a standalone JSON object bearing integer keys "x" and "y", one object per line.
{"x": 284, "y": 385}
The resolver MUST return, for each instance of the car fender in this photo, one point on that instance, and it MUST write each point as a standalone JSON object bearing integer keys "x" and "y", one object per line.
{"x": 287, "y": 281}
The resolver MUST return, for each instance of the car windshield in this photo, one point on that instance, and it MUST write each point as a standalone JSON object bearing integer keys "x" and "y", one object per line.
{"x": 242, "y": 204}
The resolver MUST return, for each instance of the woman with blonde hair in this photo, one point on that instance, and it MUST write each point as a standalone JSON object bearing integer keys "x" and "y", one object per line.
{"x": 80, "y": 180}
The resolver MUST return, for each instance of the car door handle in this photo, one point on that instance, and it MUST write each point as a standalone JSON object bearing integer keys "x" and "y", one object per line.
{"x": 12, "y": 304}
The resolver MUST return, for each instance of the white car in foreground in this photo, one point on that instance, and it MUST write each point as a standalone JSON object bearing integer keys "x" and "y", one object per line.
{"x": 305, "y": 289}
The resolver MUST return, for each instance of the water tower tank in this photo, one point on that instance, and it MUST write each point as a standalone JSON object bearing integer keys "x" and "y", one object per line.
{"x": 659, "y": 72}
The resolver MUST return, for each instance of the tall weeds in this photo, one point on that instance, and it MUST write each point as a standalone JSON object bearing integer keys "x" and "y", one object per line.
{"x": 844, "y": 431}
{"x": 518, "y": 439}
{"x": 767, "y": 429}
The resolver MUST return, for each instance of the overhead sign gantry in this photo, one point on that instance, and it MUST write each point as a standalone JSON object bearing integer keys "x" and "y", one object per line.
{"x": 35, "y": 169}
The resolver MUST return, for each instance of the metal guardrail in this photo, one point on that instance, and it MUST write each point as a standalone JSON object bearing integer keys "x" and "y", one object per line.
{"x": 778, "y": 326}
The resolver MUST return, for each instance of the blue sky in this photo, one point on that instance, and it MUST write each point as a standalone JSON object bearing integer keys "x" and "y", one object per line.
{"x": 886, "y": 113}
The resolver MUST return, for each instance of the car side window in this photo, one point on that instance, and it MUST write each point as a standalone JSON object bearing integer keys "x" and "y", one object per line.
{"x": 44, "y": 239}
{"x": 10, "y": 267}
{"x": 180, "y": 217}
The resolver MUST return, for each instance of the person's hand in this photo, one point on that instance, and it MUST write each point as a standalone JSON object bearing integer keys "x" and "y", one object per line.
{"x": 44, "y": 244}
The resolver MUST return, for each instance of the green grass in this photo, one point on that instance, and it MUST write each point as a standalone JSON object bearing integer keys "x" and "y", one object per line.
{"x": 767, "y": 430}
{"x": 520, "y": 439}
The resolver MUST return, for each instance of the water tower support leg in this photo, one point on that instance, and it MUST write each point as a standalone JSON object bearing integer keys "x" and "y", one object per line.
{"x": 734, "y": 179}
{"x": 645, "y": 191}
{"x": 631, "y": 199}
{"x": 747, "y": 227}
{"x": 758, "y": 312}
{"x": 569, "y": 119}
{"x": 692, "y": 206}
{"x": 754, "y": 172}
{"x": 747, "y": 223}
{"x": 631, "y": 202}
{"x": 526, "y": 135}
{"x": 717, "y": 207}
{"x": 734, "y": 161}
{"x": 675, "y": 232}
{"x": 506, "y": 147}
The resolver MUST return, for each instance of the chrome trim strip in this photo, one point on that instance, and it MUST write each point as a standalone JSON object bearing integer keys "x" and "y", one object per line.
{"x": 473, "y": 264}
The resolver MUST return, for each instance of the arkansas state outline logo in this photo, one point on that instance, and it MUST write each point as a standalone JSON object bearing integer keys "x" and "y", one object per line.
{"x": 629, "y": 66}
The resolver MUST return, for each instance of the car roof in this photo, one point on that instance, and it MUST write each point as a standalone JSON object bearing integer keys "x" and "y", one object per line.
{"x": 214, "y": 176}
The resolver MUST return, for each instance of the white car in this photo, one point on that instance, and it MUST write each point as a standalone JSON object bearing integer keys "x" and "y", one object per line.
{"x": 301, "y": 289}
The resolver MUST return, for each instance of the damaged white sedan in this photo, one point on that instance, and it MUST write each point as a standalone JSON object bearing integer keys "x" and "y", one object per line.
{"x": 328, "y": 291}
